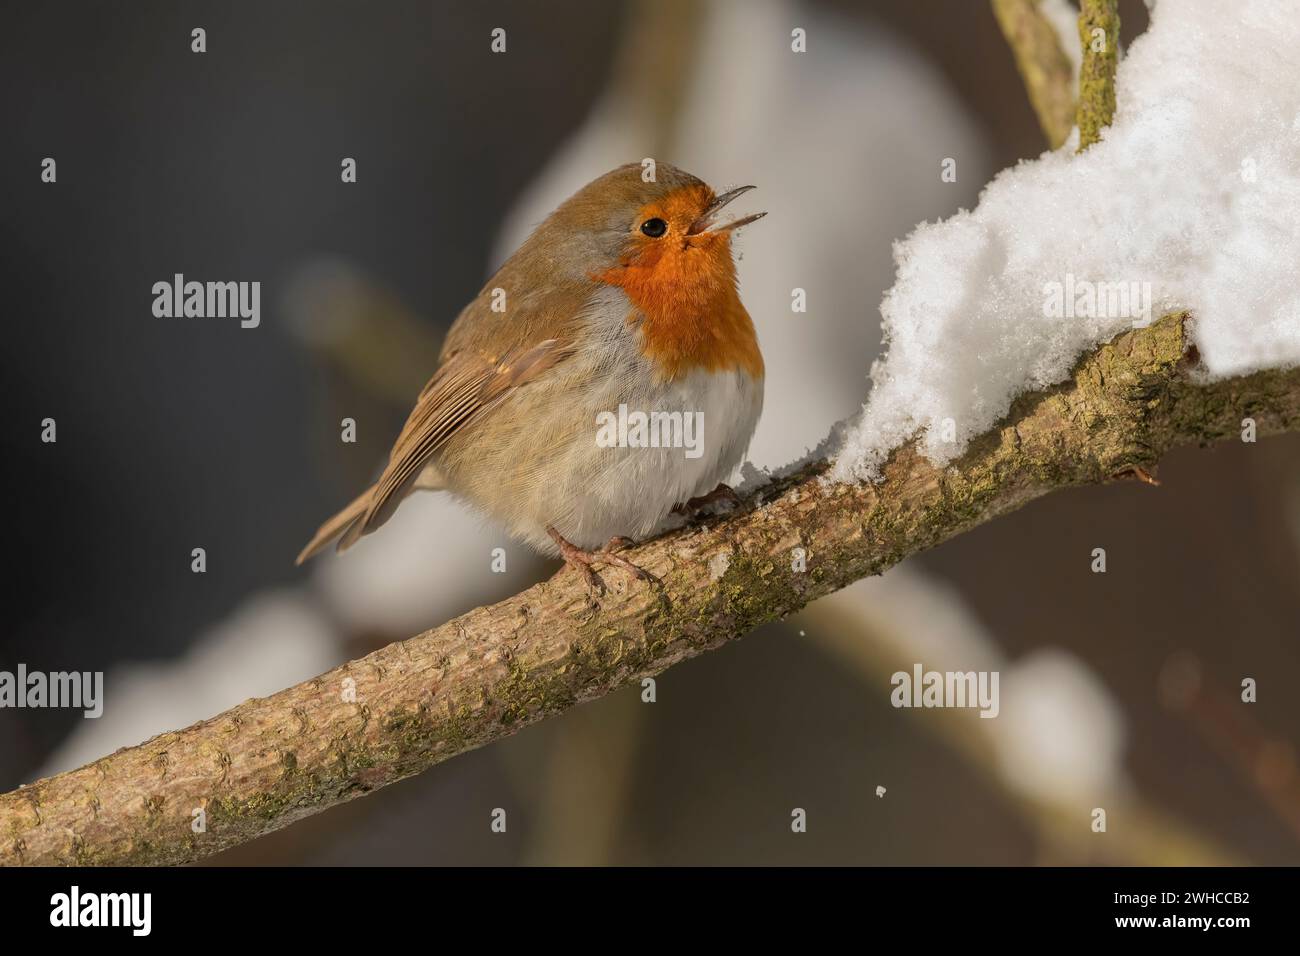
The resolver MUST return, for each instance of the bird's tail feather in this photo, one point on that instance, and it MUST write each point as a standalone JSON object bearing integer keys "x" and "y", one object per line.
{"x": 356, "y": 519}
{"x": 336, "y": 526}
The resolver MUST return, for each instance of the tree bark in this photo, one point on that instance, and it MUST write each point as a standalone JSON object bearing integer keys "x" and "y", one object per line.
{"x": 1099, "y": 34}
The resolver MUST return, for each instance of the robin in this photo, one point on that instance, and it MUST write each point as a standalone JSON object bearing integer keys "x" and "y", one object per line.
{"x": 621, "y": 307}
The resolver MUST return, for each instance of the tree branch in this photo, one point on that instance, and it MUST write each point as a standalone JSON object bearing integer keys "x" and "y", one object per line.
{"x": 495, "y": 670}
{"x": 1099, "y": 34}
{"x": 1043, "y": 65}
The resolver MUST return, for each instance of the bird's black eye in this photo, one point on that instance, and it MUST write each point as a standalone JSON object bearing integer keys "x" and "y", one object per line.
{"x": 654, "y": 228}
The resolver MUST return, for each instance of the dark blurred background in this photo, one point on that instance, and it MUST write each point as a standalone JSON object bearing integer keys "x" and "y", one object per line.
{"x": 175, "y": 434}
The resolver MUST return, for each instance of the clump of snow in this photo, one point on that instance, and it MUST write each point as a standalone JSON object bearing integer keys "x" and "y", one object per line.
{"x": 1190, "y": 201}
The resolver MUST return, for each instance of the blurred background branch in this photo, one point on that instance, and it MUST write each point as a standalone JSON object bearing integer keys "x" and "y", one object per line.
{"x": 1043, "y": 64}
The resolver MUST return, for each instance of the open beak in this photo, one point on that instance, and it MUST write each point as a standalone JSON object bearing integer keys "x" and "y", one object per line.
{"x": 706, "y": 218}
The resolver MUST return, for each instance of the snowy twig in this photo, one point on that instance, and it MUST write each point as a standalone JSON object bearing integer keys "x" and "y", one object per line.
{"x": 1099, "y": 34}
{"x": 487, "y": 674}
{"x": 1046, "y": 70}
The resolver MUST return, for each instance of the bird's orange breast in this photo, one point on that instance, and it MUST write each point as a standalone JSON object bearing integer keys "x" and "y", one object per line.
{"x": 692, "y": 317}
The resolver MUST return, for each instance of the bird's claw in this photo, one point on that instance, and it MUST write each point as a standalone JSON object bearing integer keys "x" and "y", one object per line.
{"x": 582, "y": 560}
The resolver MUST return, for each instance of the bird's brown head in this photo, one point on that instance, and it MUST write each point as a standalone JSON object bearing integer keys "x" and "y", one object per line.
{"x": 667, "y": 245}
{"x": 668, "y": 228}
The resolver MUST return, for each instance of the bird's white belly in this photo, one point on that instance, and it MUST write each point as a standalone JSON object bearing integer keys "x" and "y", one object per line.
{"x": 622, "y": 485}
{"x": 569, "y": 450}
{"x": 603, "y": 477}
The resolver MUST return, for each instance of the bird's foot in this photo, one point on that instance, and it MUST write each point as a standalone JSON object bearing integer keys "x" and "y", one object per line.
{"x": 694, "y": 505}
{"x": 582, "y": 560}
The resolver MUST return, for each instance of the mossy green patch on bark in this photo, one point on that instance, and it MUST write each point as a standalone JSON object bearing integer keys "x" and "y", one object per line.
{"x": 1099, "y": 34}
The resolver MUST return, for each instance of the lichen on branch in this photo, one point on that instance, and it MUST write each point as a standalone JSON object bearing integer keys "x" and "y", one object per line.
{"x": 1099, "y": 34}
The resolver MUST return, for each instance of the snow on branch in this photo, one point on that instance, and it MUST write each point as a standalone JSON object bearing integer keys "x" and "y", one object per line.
{"x": 1188, "y": 201}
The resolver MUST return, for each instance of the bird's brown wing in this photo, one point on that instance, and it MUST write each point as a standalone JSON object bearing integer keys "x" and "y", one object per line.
{"x": 486, "y": 354}
{"x": 465, "y": 386}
